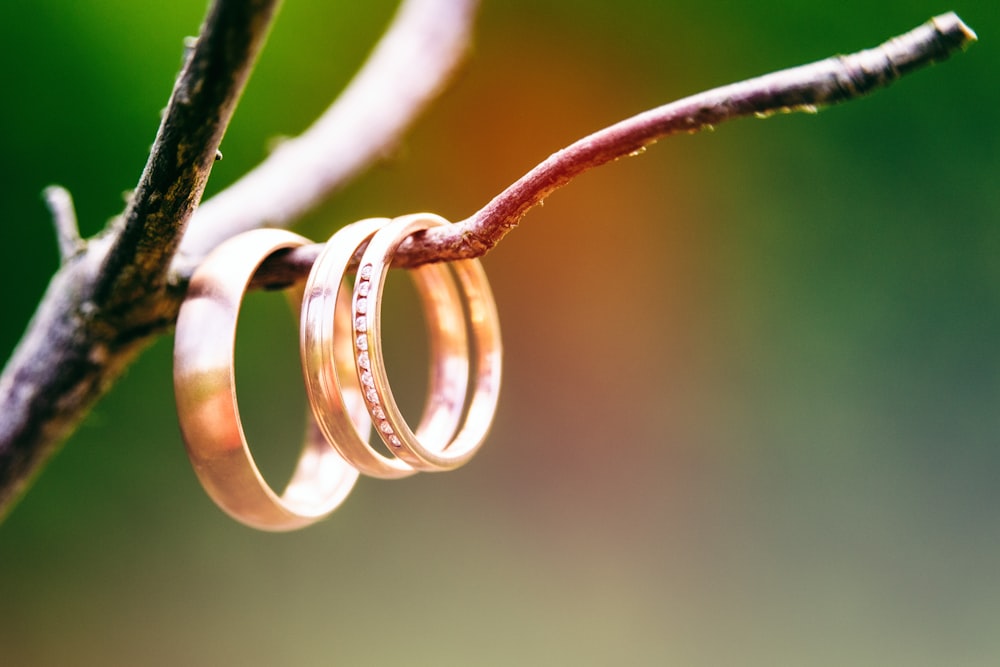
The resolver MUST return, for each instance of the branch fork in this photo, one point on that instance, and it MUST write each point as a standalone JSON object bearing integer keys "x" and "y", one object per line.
{"x": 114, "y": 294}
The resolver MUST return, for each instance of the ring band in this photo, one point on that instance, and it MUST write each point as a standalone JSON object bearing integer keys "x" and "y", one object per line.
{"x": 205, "y": 390}
{"x": 326, "y": 360}
{"x": 485, "y": 329}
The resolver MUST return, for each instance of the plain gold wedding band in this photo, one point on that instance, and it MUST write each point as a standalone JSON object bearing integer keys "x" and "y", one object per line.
{"x": 205, "y": 390}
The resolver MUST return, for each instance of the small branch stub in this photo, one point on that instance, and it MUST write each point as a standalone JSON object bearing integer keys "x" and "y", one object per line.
{"x": 60, "y": 204}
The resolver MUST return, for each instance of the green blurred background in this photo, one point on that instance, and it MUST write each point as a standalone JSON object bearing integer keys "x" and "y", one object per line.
{"x": 751, "y": 411}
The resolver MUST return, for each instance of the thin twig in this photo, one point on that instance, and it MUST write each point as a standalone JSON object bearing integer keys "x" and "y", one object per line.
{"x": 60, "y": 204}
{"x": 407, "y": 69}
{"x": 803, "y": 88}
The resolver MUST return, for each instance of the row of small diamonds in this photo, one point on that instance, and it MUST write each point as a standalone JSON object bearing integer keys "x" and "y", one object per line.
{"x": 361, "y": 290}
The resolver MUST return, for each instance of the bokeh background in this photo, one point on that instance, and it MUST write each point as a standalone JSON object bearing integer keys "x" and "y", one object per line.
{"x": 751, "y": 411}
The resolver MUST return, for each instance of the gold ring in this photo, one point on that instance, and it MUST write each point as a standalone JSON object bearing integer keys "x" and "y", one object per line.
{"x": 427, "y": 453}
{"x": 205, "y": 390}
{"x": 326, "y": 340}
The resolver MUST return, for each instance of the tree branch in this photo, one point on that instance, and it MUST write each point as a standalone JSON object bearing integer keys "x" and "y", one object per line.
{"x": 104, "y": 303}
{"x": 804, "y": 88}
{"x": 198, "y": 113}
{"x": 111, "y": 299}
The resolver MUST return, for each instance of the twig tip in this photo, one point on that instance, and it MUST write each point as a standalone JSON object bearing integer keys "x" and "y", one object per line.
{"x": 950, "y": 24}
